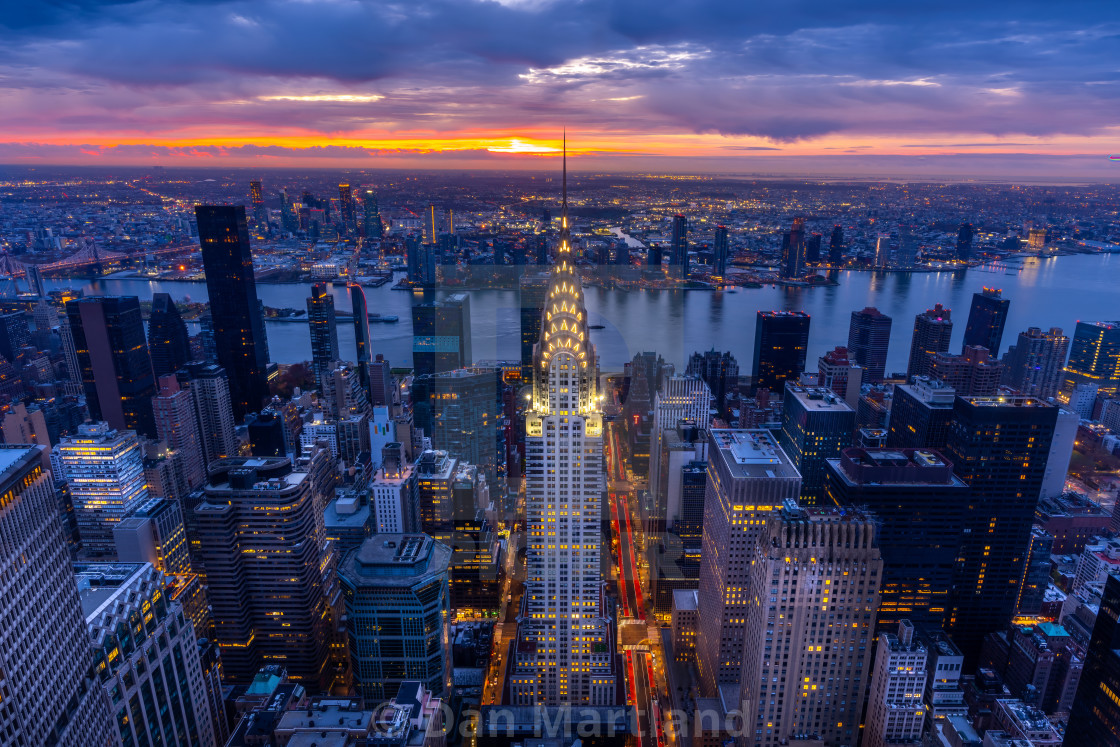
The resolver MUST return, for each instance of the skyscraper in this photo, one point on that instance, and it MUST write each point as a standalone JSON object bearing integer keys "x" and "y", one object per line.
{"x": 920, "y": 414}
{"x": 441, "y": 334}
{"x": 932, "y": 330}
{"x": 324, "y": 331}
{"x": 145, "y": 651}
{"x": 816, "y": 426}
{"x": 1094, "y": 358}
{"x": 532, "y": 289}
{"x": 565, "y": 651}
{"x": 50, "y": 694}
{"x": 239, "y": 334}
{"x": 262, "y": 542}
{"x": 177, "y": 426}
{"x": 720, "y": 371}
{"x": 1033, "y": 365}
{"x": 397, "y": 613}
{"x": 793, "y": 249}
{"x": 720, "y": 252}
{"x": 14, "y": 334}
{"x": 346, "y": 207}
{"x": 964, "y": 242}
{"x": 372, "y": 227}
{"x": 998, "y": 446}
{"x": 869, "y": 334}
{"x": 836, "y": 246}
{"x": 104, "y": 470}
{"x": 680, "y": 398}
{"x": 895, "y": 711}
{"x": 461, "y": 411}
{"x": 985, "y": 320}
{"x": 116, "y": 369}
{"x": 919, "y": 504}
{"x": 749, "y": 479}
{"x": 678, "y": 253}
{"x": 975, "y": 373}
{"x": 781, "y": 339}
{"x": 380, "y": 383}
{"x": 813, "y": 249}
{"x": 813, "y": 584}
{"x": 168, "y": 341}
{"x": 363, "y": 349}
{"x": 256, "y": 197}
{"x": 1095, "y": 715}
{"x": 216, "y": 427}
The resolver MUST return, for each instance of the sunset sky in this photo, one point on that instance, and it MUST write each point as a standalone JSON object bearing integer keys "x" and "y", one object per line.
{"x": 948, "y": 87}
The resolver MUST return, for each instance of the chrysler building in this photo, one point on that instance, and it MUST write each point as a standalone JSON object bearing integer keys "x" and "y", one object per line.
{"x": 565, "y": 648}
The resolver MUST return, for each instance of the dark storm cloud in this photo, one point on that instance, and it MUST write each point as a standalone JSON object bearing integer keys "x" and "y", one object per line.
{"x": 787, "y": 71}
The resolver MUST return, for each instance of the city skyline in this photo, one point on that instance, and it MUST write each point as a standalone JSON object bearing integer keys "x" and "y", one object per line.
{"x": 692, "y": 87}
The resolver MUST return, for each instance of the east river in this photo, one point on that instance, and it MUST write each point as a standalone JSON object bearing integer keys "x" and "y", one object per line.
{"x": 1044, "y": 293}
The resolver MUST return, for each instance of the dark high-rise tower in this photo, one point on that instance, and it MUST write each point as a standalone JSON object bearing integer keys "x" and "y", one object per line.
{"x": 1094, "y": 358}
{"x": 920, "y": 414}
{"x": 920, "y": 505}
{"x": 719, "y": 260}
{"x": 816, "y": 426}
{"x": 793, "y": 250}
{"x": 372, "y": 227}
{"x": 678, "y": 256}
{"x": 985, "y": 320}
{"x": 781, "y": 339}
{"x": 964, "y": 242}
{"x": 256, "y": 196}
{"x": 361, "y": 339}
{"x": 813, "y": 248}
{"x": 836, "y": 246}
{"x": 346, "y": 206}
{"x": 324, "y": 331}
{"x": 238, "y": 318}
{"x": 720, "y": 371}
{"x": 533, "y": 288}
{"x": 441, "y": 335}
{"x": 380, "y": 383}
{"x": 168, "y": 341}
{"x": 14, "y": 334}
{"x": 1095, "y": 715}
{"x": 932, "y": 330}
{"x": 113, "y": 356}
{"x": 998, "y": 446}
{"x": 869, "y": 334}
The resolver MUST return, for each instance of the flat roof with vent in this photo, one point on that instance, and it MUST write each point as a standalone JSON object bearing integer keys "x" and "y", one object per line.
{"x": 751, "y": 453}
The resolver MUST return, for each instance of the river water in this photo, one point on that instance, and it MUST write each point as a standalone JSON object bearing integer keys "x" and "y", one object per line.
{"x": 1049, "y": 292}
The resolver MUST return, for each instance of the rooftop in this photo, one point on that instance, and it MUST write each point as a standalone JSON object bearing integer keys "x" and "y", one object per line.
{"x": 818, "y": 398}
{"x": 99, "y": 583}
{"x": 751, "y": 453}
{"x": 396, "y": 559}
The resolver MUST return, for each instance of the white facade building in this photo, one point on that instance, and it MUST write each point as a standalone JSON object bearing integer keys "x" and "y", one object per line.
{"x": 146, "y": 653}
{"x": 105, "y": 470}
{"x": 566, "y": 647}
{"x": 45, "y": 656}
{"x": 896, "y": 710}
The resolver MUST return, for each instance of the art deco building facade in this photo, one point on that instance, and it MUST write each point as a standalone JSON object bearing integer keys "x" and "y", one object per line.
{"x": 47, "y": 695}
{"x": 146, "y": 655}
{"x": 813, "y": 593}
{"x": 565, "y": 647}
